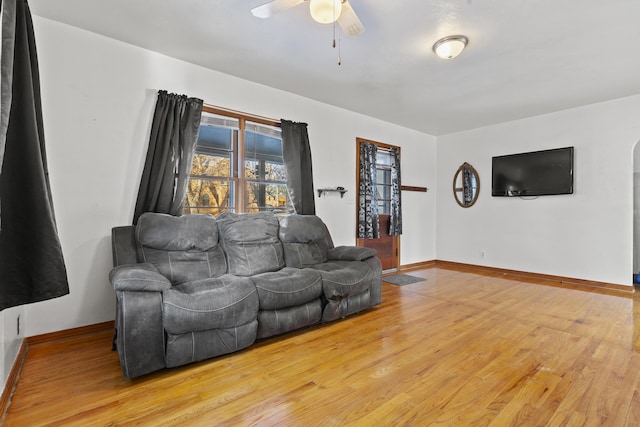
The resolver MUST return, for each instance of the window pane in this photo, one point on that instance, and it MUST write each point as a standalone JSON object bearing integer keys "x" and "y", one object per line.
{"x": 271, "y": 197}
{"x": 383, "y": 175}
{"x": 275, "y": 172}
{"x": 217, "y": 132}
{"x": 384, "y": 192}
{"x": 265, "y": 171}
{"x": 209, "y": 196}
{"x": 384, "y": 207}
{"x": 383, "y": 158}
{"x": 263, "y": 148}
{"x": 212, "y": 138}
{"x": 211, "y": 165}
{"x": 216, "y": 143}
{"x": 218, "y": 121}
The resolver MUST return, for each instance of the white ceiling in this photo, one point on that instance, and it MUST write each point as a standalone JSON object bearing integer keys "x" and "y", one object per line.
{"x": 524, "y": 58}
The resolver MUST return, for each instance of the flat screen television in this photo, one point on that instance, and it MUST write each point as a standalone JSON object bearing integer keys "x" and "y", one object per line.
{"x": 538, "y": 173}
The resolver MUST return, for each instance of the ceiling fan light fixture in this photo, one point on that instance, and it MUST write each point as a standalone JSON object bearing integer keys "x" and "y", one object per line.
{"x": 449, "y": 47}
{"x": 325, "y": 11}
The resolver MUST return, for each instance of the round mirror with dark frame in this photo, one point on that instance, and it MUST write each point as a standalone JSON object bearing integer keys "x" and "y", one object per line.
{"x": 466, "y": 185}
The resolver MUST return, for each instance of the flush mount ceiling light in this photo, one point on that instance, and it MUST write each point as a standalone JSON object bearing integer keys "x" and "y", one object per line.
{"x": 325, "y": 11}
{"x": 450, "y": 47}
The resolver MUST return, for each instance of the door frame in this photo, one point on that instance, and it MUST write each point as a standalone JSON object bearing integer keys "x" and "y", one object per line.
{"x": 359, "y": 241}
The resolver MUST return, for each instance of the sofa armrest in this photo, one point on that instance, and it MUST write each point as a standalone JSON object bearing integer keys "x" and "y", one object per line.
{"x": 351, "y": 253}
{"x": 139, "y": 329}
{"x": 138, "y": 278}
{"x": 139, "y": 332}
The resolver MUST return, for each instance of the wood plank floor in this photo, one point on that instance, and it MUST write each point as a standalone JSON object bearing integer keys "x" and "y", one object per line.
{"x": 457, "y": 349}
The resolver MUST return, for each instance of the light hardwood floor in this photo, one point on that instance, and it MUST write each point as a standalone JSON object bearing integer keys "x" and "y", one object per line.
{"x": 457, "y": 349}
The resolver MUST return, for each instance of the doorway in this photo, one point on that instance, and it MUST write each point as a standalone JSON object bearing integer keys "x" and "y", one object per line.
{"x": 387, "y": 246}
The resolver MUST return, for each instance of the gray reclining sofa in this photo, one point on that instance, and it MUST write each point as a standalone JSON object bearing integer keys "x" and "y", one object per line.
{"x": 194, "y": 287}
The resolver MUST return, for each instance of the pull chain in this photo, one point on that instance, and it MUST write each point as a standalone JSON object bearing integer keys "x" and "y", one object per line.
{"x": 334, "y": 34}
{"x": 334, "y": 43}
{"x": 334, "y": 37}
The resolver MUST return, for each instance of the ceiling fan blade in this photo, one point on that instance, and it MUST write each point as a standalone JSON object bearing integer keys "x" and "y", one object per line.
{"x": 273, "y": 7}
{"x": 349, "y": 21}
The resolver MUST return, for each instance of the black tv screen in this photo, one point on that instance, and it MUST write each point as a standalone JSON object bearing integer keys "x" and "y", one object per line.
{"x": 538, "y": 173}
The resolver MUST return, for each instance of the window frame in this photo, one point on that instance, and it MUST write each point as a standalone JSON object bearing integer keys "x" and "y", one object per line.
{"x": 237, "y": 162}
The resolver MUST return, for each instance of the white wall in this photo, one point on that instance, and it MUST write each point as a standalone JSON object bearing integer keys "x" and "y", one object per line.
{"x": 636, "y": 209}
{"x": 98, "y": 99}
{"x": 10, "y": 339}
{"x": 587, "y": 235}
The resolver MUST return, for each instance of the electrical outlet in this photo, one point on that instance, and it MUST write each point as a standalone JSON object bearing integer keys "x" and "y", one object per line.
{"x": 483, "y": 254}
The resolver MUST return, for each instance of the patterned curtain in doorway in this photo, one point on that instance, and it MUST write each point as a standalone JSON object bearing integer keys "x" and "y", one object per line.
{"x": 368, "y": 221}
{"x": 395, "y": 222}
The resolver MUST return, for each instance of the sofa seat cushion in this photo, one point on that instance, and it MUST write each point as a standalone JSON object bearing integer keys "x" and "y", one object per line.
{"x": 341, "y": 279}
{"x": 251, "y": 242}
{"x": 287, "y": 287}
{"x": 223, "y": 302}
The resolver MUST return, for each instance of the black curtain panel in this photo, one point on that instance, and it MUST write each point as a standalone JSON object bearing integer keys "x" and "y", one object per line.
{"x": 368, "y": 219}
{"x": 297, "y": 159}
{"x": 31, "y": 262}
{"x": 174, "y": 134}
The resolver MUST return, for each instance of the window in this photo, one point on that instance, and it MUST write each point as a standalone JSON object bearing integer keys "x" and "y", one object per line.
{"x": 237, "y": 166}
{"x": 383, "y": 178}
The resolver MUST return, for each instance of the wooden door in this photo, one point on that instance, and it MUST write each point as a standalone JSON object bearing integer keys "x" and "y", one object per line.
{"x": 387, "y": 247}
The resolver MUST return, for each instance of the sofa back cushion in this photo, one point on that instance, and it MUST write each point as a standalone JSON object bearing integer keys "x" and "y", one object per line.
{"x": 250, "y": 242}
{"x": 305, "y": 240}
{"x": 182, "y": 248}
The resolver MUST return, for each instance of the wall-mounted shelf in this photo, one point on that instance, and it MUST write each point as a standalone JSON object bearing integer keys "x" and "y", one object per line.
{"x": 332, "y": 190}
{"x": 412, "y": 188}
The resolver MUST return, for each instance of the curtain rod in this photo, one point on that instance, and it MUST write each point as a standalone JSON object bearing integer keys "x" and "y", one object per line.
{"x": 252, "y": 117}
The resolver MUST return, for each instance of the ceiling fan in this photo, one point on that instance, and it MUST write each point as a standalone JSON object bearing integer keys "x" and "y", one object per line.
{"x": 323, "y": 11}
